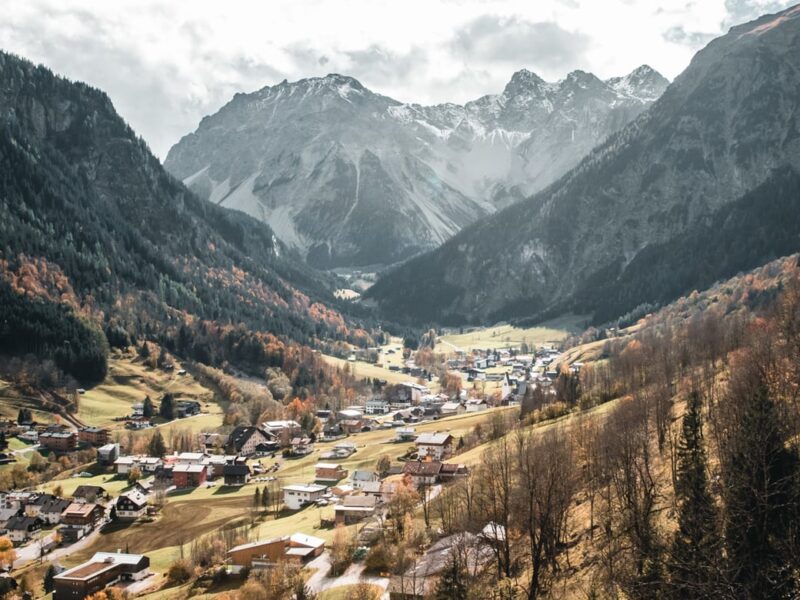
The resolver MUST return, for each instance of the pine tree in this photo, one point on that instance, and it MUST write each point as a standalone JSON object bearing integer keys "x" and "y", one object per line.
{"x": 760, "y": 473}
{"x": 696, "y": 545}
{"x": 147, "y": 407}
{"x": 452, "y": 584}
{"x": 257, "y": 498}
{"x": 49, "y": 578}
{"x": 167, "y": 408}
{"x": 156, "y": 446}
{"x": 24, "y": 416}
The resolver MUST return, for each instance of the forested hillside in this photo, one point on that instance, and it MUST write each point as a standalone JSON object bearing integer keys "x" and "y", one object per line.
{"x": 91, "y": 221}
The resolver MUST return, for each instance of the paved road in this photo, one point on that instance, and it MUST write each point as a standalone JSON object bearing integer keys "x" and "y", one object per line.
{"x": 354, "y": 574}
{"x": 30, "y": 552}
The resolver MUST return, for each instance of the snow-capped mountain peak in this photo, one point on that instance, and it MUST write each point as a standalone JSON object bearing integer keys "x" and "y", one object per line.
{"x": 523, "y": 82}
{"x": 351, "y": 177}
{"x": 644, "y": 83}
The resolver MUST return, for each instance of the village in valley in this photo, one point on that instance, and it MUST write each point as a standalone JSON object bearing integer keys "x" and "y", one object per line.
{"x": 311, "y": 493}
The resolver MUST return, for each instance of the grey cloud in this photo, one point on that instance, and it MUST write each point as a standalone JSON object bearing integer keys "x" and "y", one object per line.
{"x": 741, "y": 11}
{"x": 382, "y": 66}
{"x": 692, "y": 39}
{"x": 513, "y": 41}
{"x": 375, "y": 66}
{"x": 161, "y": 104}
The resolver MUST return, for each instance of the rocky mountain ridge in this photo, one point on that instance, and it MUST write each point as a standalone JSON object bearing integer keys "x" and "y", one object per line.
{"x": 700, "y": 186}
{"x": 351, "y": 177}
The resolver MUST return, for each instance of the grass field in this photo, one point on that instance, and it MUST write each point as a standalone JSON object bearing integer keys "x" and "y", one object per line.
{"x": 501, "y": 336}
{"x": 343, "y": 592}
{"x": 11, "y": 402}
{"x": 129, "y": 381}
{"x": 364, "y": 370}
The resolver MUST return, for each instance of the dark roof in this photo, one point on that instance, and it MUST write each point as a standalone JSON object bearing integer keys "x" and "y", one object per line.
{"x": 239, "y": 436}
{"x": 423, "y": 469}
{"x": 23, "y": 523}
{"x": 452, "y": 468}
{"x": 56, "y": 505}
{"x": 42, "y": 499}
{"x": 88, "y": 490}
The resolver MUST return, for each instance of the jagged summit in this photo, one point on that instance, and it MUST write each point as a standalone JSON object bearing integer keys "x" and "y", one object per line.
{"x": 523, "y": 81}
{"x": 351, "y": 177}
{"x": 701, "y": 186}
{"x": 643, "y": 82}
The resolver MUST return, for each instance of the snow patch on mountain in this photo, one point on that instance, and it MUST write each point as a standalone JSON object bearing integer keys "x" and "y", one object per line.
{"x": 349, "y": 177}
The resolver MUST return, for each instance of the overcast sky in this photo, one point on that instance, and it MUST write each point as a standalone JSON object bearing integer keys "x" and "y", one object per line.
{"x": 167, "y": 64}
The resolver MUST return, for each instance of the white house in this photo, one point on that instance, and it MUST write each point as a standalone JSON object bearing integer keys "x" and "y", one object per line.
{"x": 192, "y": 458}
{"x": 296, "y": 496}
{"x": 147, "y": 464}
{"x": 438, "y": 446}
{"x": 131, "y": 506}
{"x": 275, "y": 428}
{"x": 359, "y": 478}
{"x": 376, "y": 406}
{"x": 449, "y": 409}
{"x": 477, "y": 405}
{"x": 51, "y": 511}
{"x": 29, "y": 436}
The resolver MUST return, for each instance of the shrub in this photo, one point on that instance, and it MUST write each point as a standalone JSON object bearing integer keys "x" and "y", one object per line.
{"x": 179, "y": 572}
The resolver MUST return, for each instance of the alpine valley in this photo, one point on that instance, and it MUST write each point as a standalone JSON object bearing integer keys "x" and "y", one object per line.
{"x": 702, "y": 185}
{"x": 544, "y": 345}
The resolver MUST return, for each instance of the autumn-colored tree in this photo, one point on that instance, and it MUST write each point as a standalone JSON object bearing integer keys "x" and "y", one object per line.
{"x": 340, "y": 551}
{"x": 179, "y": 571}
{"x": 7, "y": 553}
{"x": 134, "y": 475}
{"x": 383, "y": 464}
{"x": 364, "y": 591}
{"x": 452, "y": 384}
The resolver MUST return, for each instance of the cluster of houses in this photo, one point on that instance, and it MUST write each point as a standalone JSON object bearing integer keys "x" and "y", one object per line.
{"x": 23, "y": 515}
{"x": 364, "y": 491}
{"x": 187, "y": 469}
{"x": 56, "y": 438}
{"x": 516, "y": 372}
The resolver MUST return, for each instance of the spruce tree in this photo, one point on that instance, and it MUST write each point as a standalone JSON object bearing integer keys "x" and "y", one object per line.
{"x": 156, "y": 446}
{"x": 49, "y": 578}
{"x": 760, "y": 475}
{"x": 452, "y": 584}
{"x": 167, "y": 408}
{"x": 147, "y": 407}
{"x": 695, "y": 547}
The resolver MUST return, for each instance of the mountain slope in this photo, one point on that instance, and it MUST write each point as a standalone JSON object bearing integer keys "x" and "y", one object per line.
{"x": 92, "y": 220}
{"x": 714, "y": 159}
{"x": 350, "y": 177}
